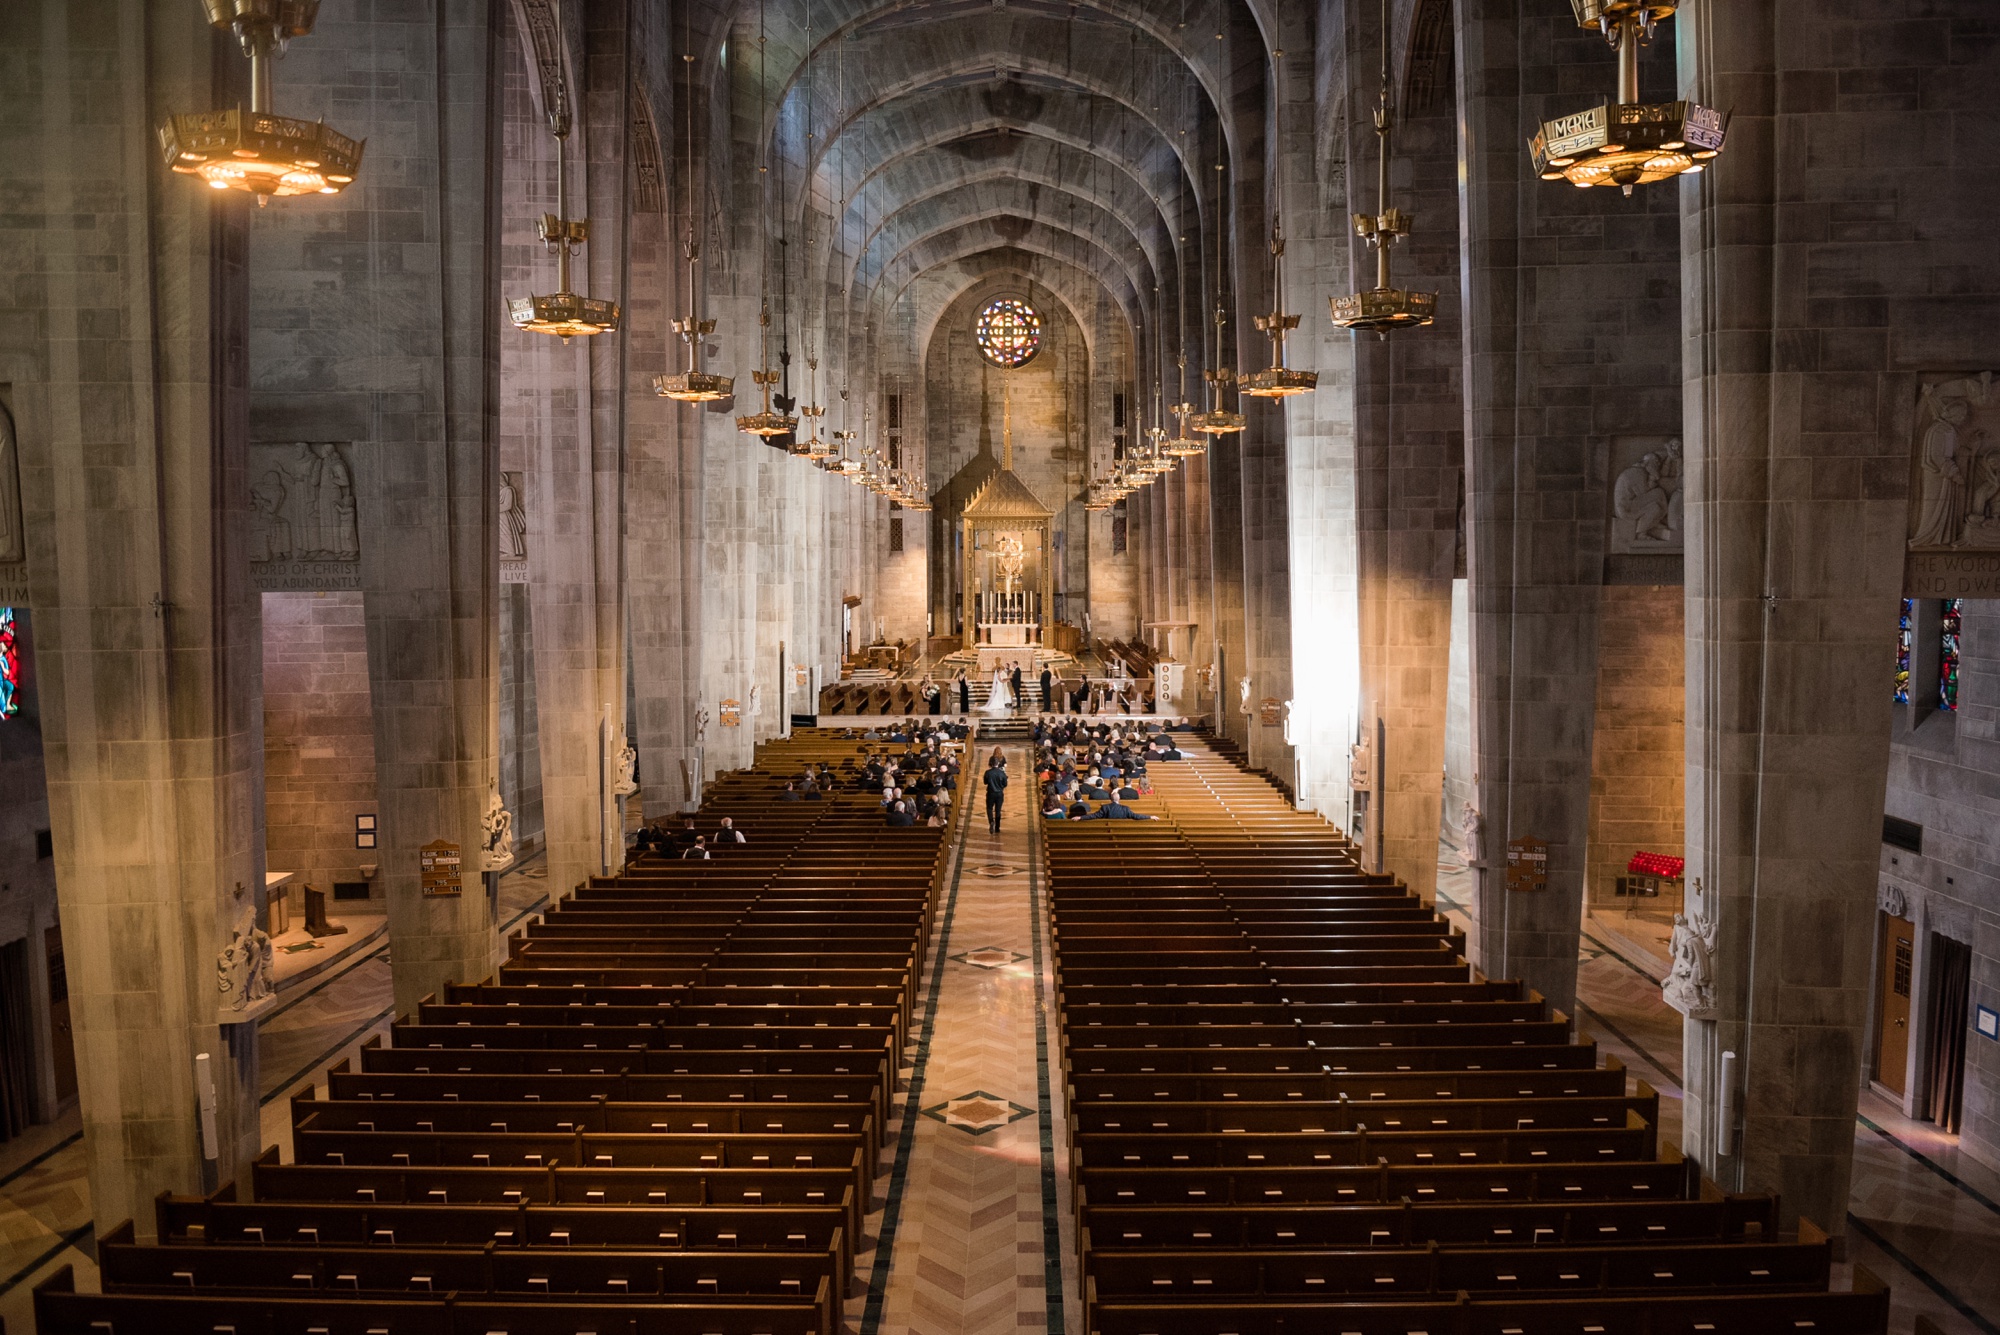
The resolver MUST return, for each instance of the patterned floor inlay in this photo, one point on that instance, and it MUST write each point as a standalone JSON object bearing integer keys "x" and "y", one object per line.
{"x": 978, "y": 1112}
{"x": 996, "y": 870}
{"x": 989, "y": 957}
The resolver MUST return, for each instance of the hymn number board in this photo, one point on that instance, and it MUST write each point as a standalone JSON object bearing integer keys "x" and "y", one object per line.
{"x": 439, "y": 861}
{"x": 1527, "y": 863}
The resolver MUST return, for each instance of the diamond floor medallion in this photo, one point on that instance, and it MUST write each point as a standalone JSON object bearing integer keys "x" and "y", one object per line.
{"x": 990, "y": 957}
{"x": 996, "y": 870}
{"x": 978, "y": 1112}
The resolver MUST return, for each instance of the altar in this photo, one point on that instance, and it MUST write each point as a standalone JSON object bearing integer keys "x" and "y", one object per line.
{"x": 1008, "y": 634}
{"x": 1008, "y": 567}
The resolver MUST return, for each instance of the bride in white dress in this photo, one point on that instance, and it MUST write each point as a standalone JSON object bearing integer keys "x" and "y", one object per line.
{"x": 1001, "y": 699}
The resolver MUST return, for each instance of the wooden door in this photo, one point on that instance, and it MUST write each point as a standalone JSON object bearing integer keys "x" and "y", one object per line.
{"x": 61, "y": 1044}
{"x": 1892, "y": 1044}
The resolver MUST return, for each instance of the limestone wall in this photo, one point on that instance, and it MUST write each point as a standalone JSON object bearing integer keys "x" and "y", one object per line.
{"x": 1944, "y": 774}
{"x": 1638, "y": 747}
{"x": 319, "y": 741}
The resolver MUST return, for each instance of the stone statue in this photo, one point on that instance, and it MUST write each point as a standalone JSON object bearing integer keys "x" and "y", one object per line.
{"x": 498, "y": 850}
{"x": 1941, "y": 501}
{"x": 1690, "y": 985}
{"x": 1243, "y": 697}
{"x": 243, "y": 971}
{"x": 513, "y": 519}
{"x": 701, "y": 717}
{"x": 1472, "y": 829}
{"x": 274, "y": 531}
{"x": 1955, "y": 502}
{"x": 756, "y": 700}
{"x": 336, "y": 502}
{"x": 626, "y": 779}
{"x": 1646, "y": 503}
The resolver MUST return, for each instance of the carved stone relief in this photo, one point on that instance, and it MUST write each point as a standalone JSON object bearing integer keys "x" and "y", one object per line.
{"x": 1891, "y": 899}
{"x": 497, "y": 849}
{"x": 304, "y": 532}
{"x": 513, "y": 528}
{"x": 1690, "y": 985}
{"x": 1954, "y": 535}
{"x": 1646, "y": 498}
{"x": 244, "y": 970}
{"x": 544, "y": 41}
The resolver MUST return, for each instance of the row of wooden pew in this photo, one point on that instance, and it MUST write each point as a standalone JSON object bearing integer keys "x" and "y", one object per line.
{"x": 1295, "y": 1107}
{"x": 663, "y": 1113}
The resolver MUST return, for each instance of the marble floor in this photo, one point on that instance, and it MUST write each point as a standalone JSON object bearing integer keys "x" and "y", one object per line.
{"x": 970, "y": 1230}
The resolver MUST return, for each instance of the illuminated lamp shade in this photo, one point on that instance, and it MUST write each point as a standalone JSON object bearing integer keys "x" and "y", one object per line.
{"x": 692, "y": 386}
{"x": 256, "y": 150}
{"x": 1627, "y": 143}
{"x": 271, "y": 157}
{"x": 1382, "y": 310}
{"x": 766, "y": 423}
{"x": 563, "y": 314}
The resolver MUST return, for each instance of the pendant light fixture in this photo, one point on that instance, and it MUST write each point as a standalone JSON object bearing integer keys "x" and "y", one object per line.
{"x": 1384, "y": 308}
{"x": 1278, "y": 381}
{"x": 1627, "y": 143}
{"x": 255, "y": 150}
{"x": 1220, "y": 420}
{"x": 563, "y": 313}
{"x": 764, "y": 423}
{"x": 694, "y": 385}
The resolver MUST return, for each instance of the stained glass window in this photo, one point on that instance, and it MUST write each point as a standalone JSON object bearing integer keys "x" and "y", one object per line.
{"x": 1903, "y": 653}
{"x": 10, "y": 666}
{"x": 1009, "y": 332}
{"x": 1954, "y": 609}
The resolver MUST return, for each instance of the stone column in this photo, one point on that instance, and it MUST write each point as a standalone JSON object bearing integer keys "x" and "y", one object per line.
{"x": 563, "y": 416}
{"x": 1814, "y": 320}
{"x": 1569, "y": 342}
{"x": 376, "y": 321}
{"x": 126, "y": 361}
{"x": 1410, "y": 458}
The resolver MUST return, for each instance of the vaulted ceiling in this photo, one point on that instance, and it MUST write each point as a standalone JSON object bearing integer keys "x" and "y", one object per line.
{"x": 902, "y": 150}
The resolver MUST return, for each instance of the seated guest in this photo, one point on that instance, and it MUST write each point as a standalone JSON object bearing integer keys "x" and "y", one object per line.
{"x": 810, "y": 793}
{"x": 898, "y": 817}
{"x": 1119, "y": 811}
{"x": 791, "y": 793}
{"x": 729, "y": 834}
{"x": 1054, "y": 809}
{"x": 1124, "y": 794}
{"x": 1080, "y": 811}
{"x": 697, "y": 850}
{"x": 687, "y": 838}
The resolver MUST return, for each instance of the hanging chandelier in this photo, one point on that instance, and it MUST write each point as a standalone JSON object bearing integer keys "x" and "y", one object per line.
{"x": 1184, "y": 446}
{"x": 695, "y": 384}
{"x": 1384, "y": 308}
{"x": 1278, "y": 381}
{"x": 766, "y": 423}
{"x": 255, "y": 150}
{"x": 1219, "y": 420}
{"x": 563, "y": 313}
{"x": 1627, "y": 143}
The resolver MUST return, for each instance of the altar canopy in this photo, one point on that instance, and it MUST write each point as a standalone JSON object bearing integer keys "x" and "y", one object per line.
{"x": 1009, "y": 567}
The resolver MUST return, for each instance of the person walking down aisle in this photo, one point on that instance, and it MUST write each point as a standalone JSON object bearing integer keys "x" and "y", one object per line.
{"x": 996, "y": 791}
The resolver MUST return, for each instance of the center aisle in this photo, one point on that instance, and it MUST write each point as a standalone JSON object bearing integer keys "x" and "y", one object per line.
{"x": 974, "y": 1238}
